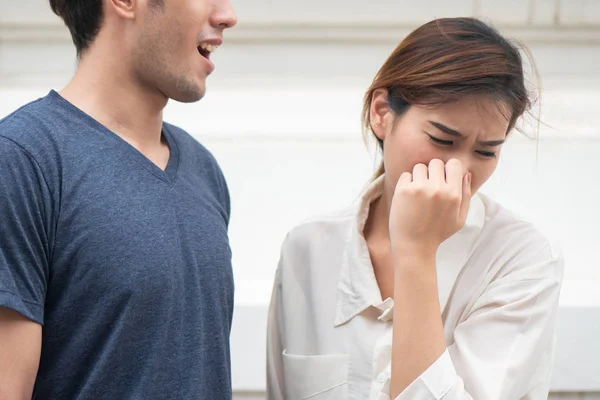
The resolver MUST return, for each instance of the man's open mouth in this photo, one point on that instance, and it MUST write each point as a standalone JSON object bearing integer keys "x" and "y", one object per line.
{"x": 205, "y": 49}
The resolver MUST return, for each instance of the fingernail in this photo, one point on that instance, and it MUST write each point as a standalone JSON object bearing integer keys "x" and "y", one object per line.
{"x": 469, "y": 178}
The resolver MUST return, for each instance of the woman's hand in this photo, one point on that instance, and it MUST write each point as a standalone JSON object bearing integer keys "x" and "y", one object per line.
{"x": 429, "y": 206}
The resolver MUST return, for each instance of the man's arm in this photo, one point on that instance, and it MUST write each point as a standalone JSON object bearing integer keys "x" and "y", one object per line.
{"x": 20, "y": 347}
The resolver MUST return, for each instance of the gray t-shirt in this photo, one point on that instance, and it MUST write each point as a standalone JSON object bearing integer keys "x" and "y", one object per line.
{"x": 126, "y": 266}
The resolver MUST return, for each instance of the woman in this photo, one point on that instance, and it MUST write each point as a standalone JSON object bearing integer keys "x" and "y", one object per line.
{"x": 425, "y": 289}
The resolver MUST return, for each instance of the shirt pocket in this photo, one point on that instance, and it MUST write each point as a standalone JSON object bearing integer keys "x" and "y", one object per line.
{"x": 322, "y": 377}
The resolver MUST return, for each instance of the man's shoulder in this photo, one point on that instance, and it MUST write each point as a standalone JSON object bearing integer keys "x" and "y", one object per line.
{"x": 44, "y": 129}
{"x": 23, "y": 124}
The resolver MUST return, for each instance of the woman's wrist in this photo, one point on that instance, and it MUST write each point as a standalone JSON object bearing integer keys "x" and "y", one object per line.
{"x": 411, "y": 262}
{"x": 424, "y": 249}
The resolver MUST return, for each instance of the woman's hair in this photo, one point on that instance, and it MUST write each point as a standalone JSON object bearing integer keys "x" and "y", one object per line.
{"x": 446, "y": 60}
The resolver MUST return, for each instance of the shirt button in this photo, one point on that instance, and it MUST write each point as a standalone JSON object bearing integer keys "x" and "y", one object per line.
{"x": 381, "y": 378}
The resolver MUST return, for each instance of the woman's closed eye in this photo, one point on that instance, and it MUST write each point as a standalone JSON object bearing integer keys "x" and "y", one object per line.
{"x": 487, "y": 154}
{"x": 440, "y": 142}
{"x": 447, "y": 143}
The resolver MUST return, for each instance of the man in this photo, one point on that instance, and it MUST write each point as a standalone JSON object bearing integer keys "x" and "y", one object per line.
{"x": 115, "y": 267}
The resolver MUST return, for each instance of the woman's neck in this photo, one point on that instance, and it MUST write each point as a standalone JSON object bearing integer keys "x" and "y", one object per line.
{"x": 377, "y": 236}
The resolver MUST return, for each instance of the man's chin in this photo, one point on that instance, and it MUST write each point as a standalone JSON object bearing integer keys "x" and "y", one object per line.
{"x": 188, "y": 92}
{"x": 188, "y": 97}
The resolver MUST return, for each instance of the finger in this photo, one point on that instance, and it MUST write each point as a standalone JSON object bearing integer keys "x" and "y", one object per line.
{"x": 437, "y": 171}
{"x": 405, "y": 179}
{"x": 466, "y": 197}
{"x": 420, "y": 173}
{"x": 455, "y": 174}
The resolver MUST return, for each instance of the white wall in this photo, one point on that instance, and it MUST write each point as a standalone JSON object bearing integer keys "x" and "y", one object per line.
{"x": 282, "y": 117}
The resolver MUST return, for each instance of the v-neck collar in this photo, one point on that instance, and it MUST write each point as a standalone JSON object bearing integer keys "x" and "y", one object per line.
{"x": 168, "y": 175}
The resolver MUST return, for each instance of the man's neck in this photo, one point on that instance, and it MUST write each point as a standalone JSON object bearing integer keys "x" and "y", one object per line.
{"x": 105, "y": 90}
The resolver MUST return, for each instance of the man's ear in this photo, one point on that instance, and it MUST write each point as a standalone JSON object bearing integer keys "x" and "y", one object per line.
{"x": 124, "y": 8}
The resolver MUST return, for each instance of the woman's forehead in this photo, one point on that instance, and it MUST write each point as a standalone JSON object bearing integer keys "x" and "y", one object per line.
{"x": 480, "y": 116}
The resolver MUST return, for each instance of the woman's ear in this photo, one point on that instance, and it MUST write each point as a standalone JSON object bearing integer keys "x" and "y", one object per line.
{"x": 379, "y": 112}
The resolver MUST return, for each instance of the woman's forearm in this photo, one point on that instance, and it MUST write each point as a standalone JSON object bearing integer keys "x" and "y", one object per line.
{"x": 418, "y": 335}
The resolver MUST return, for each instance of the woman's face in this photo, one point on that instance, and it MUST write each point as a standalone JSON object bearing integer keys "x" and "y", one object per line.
{"x": 472, "y": 130}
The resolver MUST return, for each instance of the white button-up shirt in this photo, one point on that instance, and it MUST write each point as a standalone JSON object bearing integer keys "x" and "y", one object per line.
{"x": 330, "y": 332}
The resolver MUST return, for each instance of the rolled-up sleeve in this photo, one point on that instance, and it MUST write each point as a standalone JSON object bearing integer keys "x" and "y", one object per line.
{"x": 504, "y": 348}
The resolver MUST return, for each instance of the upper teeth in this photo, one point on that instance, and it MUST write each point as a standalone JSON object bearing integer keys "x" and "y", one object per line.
{"x": 209, "y": 47}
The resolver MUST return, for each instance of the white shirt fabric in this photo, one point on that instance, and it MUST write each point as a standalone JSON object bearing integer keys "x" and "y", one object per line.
{"x": 330, "y": 332}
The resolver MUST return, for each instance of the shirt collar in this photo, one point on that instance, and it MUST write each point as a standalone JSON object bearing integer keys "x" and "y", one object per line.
{"x": 357, "y": 287}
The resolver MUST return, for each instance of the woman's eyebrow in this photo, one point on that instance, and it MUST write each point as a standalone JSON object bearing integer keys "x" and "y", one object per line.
{"x": 447, "y": 130}
{"x": 455, "y": 133}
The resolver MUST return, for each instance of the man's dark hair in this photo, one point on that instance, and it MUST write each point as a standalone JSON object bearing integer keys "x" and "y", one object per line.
{"x": 82, "y": 17}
